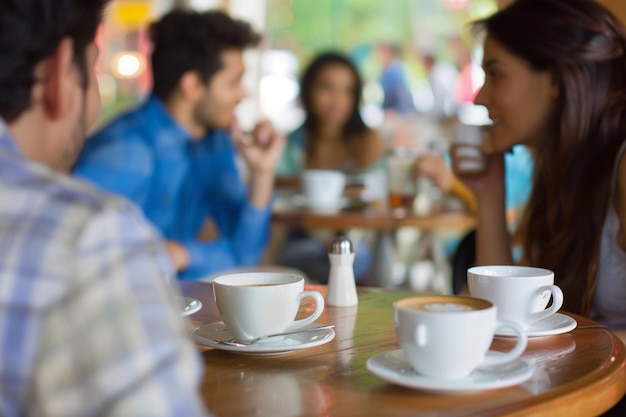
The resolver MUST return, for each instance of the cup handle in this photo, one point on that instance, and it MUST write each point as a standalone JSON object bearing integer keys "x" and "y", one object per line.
{"x": 319, "y": 309}
{"x": 557, "y": 302}
{"x": 511, "y": 355}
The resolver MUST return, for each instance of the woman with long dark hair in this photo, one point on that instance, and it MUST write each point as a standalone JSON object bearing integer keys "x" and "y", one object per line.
{"x": 556, "y": 82}
{"x": 333, "y": 136}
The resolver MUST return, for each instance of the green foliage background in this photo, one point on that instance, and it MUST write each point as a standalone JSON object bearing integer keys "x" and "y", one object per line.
{"x": 355, "y": 27}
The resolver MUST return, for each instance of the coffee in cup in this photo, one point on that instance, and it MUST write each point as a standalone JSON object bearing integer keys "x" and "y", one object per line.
{"x": 448, "y": 336}
{"x": 520, "y": 292}
{"x": 256, "y": 304}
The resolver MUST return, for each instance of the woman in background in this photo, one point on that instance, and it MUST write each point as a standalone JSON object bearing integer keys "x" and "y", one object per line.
{"x": 556, "y": 82}
{"x": 333, "y": 136}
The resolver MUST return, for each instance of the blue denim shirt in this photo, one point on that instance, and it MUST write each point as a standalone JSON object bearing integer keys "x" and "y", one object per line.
{"x": 179, "y": 183}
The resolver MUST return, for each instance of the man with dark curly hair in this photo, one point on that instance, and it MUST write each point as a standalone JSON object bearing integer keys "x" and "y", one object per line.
{"x": 175, "y": 155}
{"x": 89, "y": 325}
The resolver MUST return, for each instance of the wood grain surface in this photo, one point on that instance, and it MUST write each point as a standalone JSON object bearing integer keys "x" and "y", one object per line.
{"x": 581, "y": 373}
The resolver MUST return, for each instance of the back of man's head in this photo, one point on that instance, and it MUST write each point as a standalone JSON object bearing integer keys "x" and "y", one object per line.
{"x": 190, "y": 41}
{"x": 30, "y": 31}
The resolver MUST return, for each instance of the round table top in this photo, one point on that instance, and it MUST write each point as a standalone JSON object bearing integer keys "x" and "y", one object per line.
{"x": 579, "y": 373}
{"x": 374, "y": 217}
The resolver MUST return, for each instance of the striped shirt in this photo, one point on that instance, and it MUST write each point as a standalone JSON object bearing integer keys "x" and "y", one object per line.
{"x": 88, "y": 322}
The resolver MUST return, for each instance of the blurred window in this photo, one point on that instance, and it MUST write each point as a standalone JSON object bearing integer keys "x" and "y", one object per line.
{"x": 296, "y": 30}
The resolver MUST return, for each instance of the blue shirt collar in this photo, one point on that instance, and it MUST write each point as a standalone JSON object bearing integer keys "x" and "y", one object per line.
{"x": 6, "y": 141}
{"x": 169, "y": 132}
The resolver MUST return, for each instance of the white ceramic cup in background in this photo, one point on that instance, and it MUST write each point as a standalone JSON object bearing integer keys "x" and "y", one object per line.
{"x": 467, "y": 142}
{"x": 520, "y": 292}
{"x": 255, "y": 304}
{"x": 323, "y": 188}
{"x": 448, "y": 336}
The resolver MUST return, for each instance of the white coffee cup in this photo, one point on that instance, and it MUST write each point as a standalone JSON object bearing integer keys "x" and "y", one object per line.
{"x": 323, "y": 188}
{"x": 520, "y": 292}
{"x": 448, "y": 336}
{"x": 467, "y": 142}
{"x": 255, "y": 304}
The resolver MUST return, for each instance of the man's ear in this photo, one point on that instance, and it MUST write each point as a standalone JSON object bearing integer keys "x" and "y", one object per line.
{"x": 59, "y": 77}
{"x": 555, "y": 87}
{"x": 191, "y": 86}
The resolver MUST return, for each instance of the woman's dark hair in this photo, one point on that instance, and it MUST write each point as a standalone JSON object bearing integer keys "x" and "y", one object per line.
{"x": 185, "y": 41}
{"x": 583, "y": 45}
{"x": 355, "y": 125}
{"x": 30, "y": 31}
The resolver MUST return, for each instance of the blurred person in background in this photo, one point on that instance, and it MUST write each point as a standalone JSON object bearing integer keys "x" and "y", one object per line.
{"x": 559, "y": 89}
{"x": 333, "y": 136}
{"x": 398, "y": 99}
{"x": 88, "y": 323}
{"x": 442, "y": 77}
{"x": 175, "y": 155}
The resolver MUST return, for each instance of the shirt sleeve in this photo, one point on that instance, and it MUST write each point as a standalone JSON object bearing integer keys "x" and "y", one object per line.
{"x": 242, "y": 229}
{"x": 118, "y": 344}
{"x": 244, "y": 246}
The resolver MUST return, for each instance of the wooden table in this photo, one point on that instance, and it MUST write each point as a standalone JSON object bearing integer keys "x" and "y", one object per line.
{"x": 581, "y": 373}
{"x": 373, "y": 218}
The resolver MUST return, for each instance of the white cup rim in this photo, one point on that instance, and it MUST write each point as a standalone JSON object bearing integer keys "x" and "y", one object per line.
{"x": 509, "y": 271}
{"x": 248, "y": 278}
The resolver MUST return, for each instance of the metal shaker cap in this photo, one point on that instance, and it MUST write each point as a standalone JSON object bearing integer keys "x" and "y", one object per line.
{"x": 341, "y": 245}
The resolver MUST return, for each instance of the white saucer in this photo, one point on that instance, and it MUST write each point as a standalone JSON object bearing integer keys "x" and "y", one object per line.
{"x": 271, "y": 346}
{"x": 394, "y": 368}
{"x": 555, "y": 324}
{"x": 190, "y": 306}
{"x": 300, "y": 200}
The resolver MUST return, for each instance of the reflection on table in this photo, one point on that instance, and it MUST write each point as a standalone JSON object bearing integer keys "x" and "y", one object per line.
{"x": 580, "y": 373}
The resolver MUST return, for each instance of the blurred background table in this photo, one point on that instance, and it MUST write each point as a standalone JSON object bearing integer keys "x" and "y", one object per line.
{"x": 384, "y": 223}
{"x": 581, "y": 373}
{"x": 379, "y": 219}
